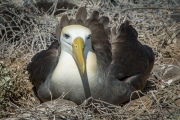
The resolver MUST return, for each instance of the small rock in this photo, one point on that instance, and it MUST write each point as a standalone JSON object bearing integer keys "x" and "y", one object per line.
{"x": 7, "y": 78}
{"x": 1, "y": 62}
{"x": 26, "y": 72}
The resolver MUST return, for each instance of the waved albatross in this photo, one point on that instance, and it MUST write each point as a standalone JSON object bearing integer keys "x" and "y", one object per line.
{"x": 90, "y": 60}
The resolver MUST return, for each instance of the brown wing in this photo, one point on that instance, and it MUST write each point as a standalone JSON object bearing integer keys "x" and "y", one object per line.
{"x": 43, "y": 64}
{"x": 131, "y": 61}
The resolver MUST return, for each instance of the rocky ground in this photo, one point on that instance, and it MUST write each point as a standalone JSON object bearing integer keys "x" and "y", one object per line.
{"x": 26, "y": 28}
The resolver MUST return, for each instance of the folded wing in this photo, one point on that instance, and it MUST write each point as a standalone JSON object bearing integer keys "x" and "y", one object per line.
{"x": 43, "y": 64}
{"x": 131, "y": 61}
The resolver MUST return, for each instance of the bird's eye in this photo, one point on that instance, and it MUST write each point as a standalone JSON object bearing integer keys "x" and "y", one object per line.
{"x": 66, "y": 36}
{"x": 89, "y": 36}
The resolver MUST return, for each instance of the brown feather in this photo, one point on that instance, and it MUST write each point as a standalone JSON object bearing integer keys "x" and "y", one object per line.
{"x": 72, "y": 22}
{"x": 94, "y": 15}
{"x": 81, "y": 14}
{"x": 126, "y": 29}
{"x": 64, "y": 21}
{"x": 58, "y": 32}
{"x": 105, "y": 21}
{"x": 80, "y": 22}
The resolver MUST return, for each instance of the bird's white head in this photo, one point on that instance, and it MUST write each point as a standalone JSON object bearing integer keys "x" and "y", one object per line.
{"x": 75, "y": 39}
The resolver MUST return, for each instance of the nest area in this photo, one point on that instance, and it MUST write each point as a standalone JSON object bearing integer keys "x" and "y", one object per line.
{"x": 25, "y": 30}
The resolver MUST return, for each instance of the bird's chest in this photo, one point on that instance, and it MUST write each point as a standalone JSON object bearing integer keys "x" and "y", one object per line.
{"x": 66, "y": 77}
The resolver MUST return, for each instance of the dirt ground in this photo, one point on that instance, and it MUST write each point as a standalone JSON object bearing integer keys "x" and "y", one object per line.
{"x": 25, "y": 30}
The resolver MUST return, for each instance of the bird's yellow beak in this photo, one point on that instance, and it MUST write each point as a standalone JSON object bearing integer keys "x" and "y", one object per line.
{"x": 77, "y": 50}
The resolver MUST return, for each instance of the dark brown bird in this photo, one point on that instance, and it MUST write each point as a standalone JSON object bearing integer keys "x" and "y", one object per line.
{"x": 83, "y": 63}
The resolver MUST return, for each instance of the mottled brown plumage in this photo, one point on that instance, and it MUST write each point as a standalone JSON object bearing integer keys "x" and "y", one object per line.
{"x": 123, "y": 65}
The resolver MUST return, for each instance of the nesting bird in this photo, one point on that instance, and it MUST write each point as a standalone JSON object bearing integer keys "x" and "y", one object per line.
{"x": 84, "y": 63}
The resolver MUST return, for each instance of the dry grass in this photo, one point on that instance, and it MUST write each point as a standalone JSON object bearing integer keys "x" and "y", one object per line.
{"x": 24, "y": 30}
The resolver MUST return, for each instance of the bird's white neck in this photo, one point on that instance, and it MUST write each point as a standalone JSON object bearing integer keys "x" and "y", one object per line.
{"x": 67, "y": 76}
